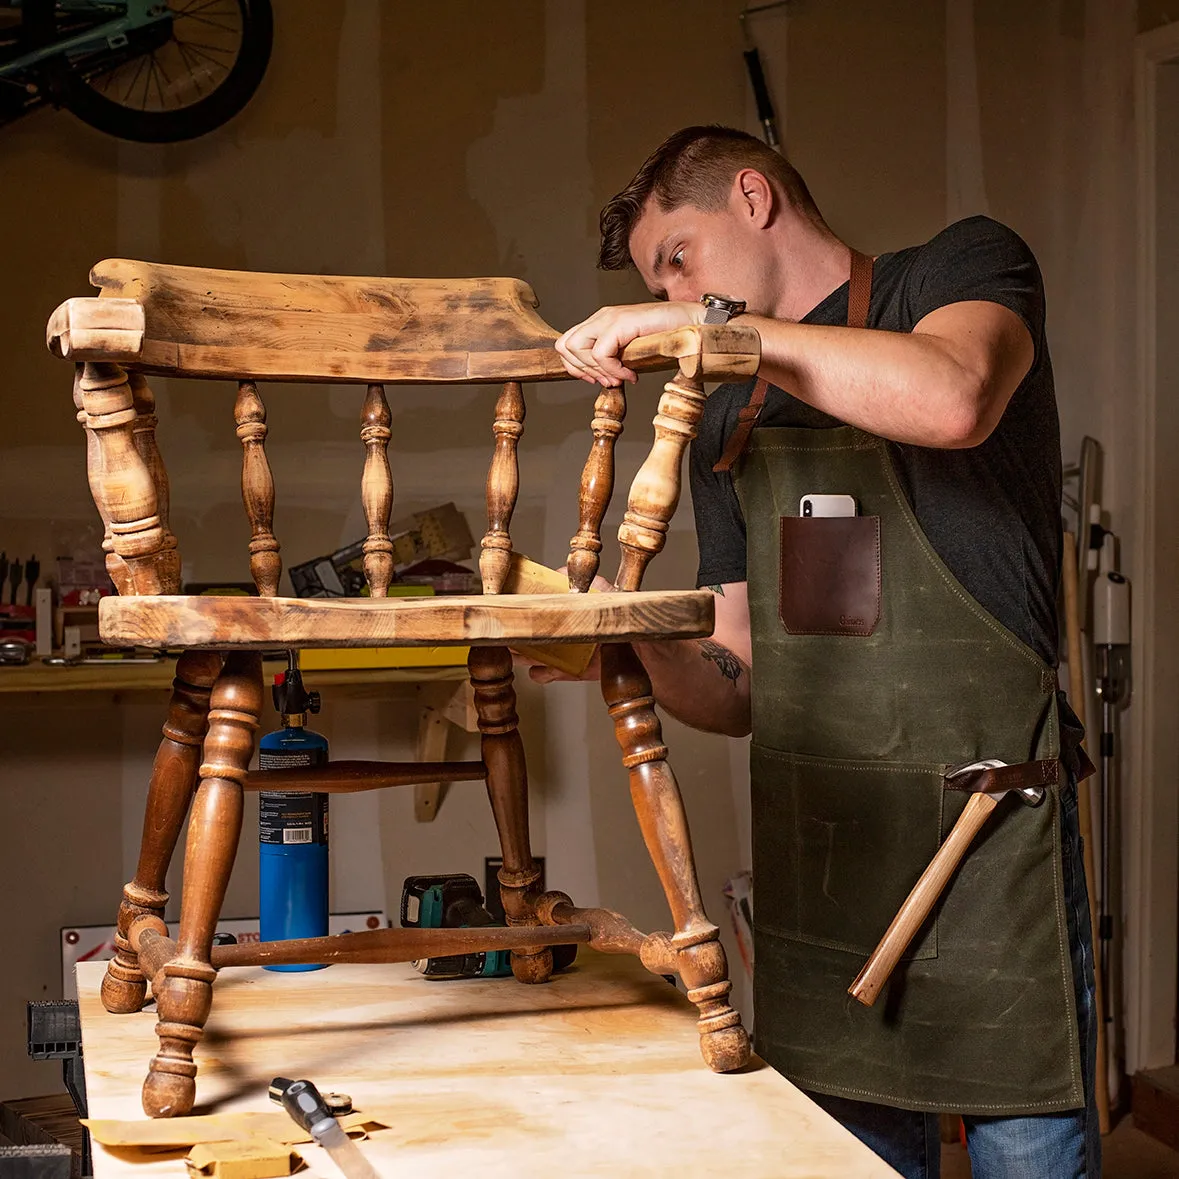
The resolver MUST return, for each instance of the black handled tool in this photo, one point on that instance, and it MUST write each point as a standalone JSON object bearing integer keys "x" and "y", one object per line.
{"x": 302, "y": 1100}
{"x": 32, "y": 572}
{"x": 15, "y": 572}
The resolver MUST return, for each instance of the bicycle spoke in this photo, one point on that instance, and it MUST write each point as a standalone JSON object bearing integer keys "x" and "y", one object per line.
{"x": 211, "y": 48}
{"x": 193, "y": 74}
{"x": 219, "y": 64}
{"x": 201, "y": 8}
{"x": 139, "y": 70}
{"x": 151, "y": 73}
{"x": 206, "y": 21}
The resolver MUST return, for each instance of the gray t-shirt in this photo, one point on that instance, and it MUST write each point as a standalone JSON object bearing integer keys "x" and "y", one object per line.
{"x": 991, "y": 512}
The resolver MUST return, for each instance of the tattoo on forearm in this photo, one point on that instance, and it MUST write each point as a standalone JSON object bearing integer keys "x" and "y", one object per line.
{"x": 728, "y": 663}
{"x": 717, "y": 589}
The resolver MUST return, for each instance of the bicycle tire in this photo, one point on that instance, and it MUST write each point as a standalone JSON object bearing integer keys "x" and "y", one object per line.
{"x": 187, "y": 122}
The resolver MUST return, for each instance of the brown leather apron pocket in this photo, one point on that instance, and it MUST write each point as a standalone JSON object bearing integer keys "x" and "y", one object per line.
{"x": 829, "y": 575}
{"x": 837, "y": 846}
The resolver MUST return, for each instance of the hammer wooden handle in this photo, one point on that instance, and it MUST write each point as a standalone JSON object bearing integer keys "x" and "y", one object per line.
{"x": 918, "y": 904}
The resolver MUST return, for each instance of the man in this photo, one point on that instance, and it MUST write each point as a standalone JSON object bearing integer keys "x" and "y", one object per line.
{"x": 915, "y": 634}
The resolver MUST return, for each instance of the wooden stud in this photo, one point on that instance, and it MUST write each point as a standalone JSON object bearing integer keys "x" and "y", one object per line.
{"x": 597, "y": 486}
{"x": 184, "y": 987}
{"x": 433, "y": 729}
{"x": 257, "y": 489}
{"x": 123, "y": 487}
{"x": 173, "y": 780}
{"x": 655, "y": 491}
{"x": 376, "y": 490}
{"x": 699, "y": 955}
{"x": 503, "y": 486}
{"x": 507, "y": 789}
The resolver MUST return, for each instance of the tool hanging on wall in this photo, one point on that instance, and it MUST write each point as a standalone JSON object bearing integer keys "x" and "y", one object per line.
{"x": 761, "y": 93}
{"x": 1111, "y": 639}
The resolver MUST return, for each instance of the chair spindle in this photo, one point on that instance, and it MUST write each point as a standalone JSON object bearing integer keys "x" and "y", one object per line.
{"x": 114, "y": 563}
{"x": 503, "y": 486}
{"x": 144, "y": 431}
{"x": 597, "y": 486}
{"x": 257, "y": 489}
{"x": 655, "y": 491}
{"x": 376, "y": 490}
{"x": 144, "y": 551}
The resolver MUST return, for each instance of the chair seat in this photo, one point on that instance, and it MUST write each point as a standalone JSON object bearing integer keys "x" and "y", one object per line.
{"x": 492, "y": 620}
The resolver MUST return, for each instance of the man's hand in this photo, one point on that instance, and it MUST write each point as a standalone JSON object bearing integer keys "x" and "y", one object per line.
{"x": 591, "y": 349}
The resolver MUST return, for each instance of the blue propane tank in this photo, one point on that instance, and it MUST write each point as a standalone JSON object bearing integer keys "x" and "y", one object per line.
{"x": 292, "y": 827}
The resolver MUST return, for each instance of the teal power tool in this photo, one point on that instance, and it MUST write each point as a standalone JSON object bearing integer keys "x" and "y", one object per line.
{"x": 455, "y": 901}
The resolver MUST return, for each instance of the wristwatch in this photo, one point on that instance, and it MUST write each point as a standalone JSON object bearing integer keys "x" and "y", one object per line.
{"x": 720, "y": 308}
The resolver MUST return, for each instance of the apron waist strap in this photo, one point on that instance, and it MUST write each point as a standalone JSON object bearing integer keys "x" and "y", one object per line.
{"x": 999, "y": 779}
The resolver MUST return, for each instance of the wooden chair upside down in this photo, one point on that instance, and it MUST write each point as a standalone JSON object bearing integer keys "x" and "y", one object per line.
{"x": 182, "y": 321}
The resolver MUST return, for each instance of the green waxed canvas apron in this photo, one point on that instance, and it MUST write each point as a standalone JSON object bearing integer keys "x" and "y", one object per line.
{"x": 862, "y": 698}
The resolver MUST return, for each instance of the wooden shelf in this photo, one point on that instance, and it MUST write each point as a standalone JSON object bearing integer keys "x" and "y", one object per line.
{"x": 38, "y": 677}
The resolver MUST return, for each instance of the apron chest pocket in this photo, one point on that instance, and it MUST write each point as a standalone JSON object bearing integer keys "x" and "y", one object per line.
{"x": 829, "y": 575}
{"x": 837, "y": 846}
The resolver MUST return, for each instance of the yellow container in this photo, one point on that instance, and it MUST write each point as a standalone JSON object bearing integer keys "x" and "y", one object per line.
{"x": 324, "y": 658}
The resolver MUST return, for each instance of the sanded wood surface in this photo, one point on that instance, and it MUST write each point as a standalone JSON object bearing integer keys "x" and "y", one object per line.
{"x": 215, "y": 621}
{"x": 596, "y": 1073}
{"x": 309, "y": 327}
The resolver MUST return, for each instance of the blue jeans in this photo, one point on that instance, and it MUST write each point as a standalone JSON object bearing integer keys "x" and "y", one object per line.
{"x": 1046, "y": 1146}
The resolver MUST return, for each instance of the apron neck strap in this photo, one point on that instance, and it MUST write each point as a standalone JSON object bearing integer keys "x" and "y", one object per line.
{"x": 859, "y": 290}
{"x": 859, "y": 295}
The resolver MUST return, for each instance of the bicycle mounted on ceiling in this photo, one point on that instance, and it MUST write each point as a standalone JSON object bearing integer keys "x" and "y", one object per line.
{"x": 143, "y": 70}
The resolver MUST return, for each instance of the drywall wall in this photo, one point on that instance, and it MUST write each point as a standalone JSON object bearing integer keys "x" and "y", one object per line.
{"x": 482, "y": 139}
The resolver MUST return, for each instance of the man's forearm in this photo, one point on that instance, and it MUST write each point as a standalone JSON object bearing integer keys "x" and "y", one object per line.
{"x": 700, "y": 682}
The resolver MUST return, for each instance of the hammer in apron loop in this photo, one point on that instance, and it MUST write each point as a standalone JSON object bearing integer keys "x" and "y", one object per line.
{"x": 986, "y": 781}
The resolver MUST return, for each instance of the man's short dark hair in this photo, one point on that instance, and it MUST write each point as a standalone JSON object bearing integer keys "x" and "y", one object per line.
{"x": 694, "y": 167}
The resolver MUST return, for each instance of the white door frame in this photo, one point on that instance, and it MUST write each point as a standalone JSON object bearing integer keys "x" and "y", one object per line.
{"x": 1152, "y": 800}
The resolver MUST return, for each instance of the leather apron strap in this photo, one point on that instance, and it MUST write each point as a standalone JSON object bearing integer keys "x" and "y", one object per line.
{"x": 859, "y": 295}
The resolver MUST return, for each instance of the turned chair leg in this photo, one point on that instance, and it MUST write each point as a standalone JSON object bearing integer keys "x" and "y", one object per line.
{"x": 184, "y": 987}
{"x": 173, "y": 779}
{"x": 507, "y": 788}
{"x": 699, "y": 956}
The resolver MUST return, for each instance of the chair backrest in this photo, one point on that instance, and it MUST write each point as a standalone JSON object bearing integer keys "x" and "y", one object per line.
{"x": 191, "y": 322}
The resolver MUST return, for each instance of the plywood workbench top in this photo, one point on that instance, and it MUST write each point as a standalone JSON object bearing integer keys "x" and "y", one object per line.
{"x": 596, "y": 1073}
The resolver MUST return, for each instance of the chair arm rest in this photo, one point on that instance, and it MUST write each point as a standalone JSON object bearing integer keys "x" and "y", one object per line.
{"x": 97, "y": 329}
{"x": 711, "y": 352}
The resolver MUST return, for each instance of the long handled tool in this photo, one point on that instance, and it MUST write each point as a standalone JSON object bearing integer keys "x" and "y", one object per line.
{"x": 1077, "y": 698}
{"x": 932, "y": 882}
{"x": 302, "y": 1100}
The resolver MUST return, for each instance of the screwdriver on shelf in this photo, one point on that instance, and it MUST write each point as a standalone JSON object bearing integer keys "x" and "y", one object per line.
{"x": 32, "y": 572}
{"x": 15, "y": 571}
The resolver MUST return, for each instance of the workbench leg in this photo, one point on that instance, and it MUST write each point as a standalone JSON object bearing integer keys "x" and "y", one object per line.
{"x": 700, "y": 957}
{"x": 507, "y": 788}
{"x": 184, "y": 994}
{"x": 173, "y": 779}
